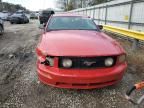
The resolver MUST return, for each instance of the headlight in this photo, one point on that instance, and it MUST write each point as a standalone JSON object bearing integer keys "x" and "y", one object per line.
{"x": 67, "y": 63}
{"x": 109, "y": 62}
{"x": 122, "y": 58}
{"x": 50, "y": 61}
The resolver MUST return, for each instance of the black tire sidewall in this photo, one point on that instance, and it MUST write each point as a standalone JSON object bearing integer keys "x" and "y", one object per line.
{"x": 1, "y": 30}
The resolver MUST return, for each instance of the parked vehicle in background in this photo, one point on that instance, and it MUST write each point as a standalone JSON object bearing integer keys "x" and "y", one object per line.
{"x": 20, "y": 12}
{"x": 4, "y": 15}
{"x": 74, "y": 53}
{"x": 37, "y": 13}
{"x": 1, "y": 27}
{"x": 8, "y": 18}
{"x": 45, "y": 15}
{"x": 1, "y": 15}
{"x": 19, "y": 18}
{"x": 33, "y": 16}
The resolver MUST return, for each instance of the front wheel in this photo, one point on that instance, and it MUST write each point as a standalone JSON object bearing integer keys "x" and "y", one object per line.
{"x": 27, "y": 21}
{"x": 1, "y": 30}
{"x": 41, "y": 22}
{"x": 22, "y": 22}
{"x": 11, "y": 22}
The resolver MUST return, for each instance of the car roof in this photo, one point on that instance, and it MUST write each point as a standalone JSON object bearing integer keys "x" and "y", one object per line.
{"x": 70, "y": 15}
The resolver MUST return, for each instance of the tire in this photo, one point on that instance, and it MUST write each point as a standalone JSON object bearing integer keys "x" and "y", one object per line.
{"x": 27, "y": 21}
{"x": 22, "y": 22}
{"x": 11, "y": 22}
{"x": 41, "y": 22}
{"x": 1, "y": 30}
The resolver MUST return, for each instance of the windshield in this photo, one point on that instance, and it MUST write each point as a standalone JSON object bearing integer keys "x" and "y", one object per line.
{"x": 17, "y": 14}
{"x": 71, "y": 23}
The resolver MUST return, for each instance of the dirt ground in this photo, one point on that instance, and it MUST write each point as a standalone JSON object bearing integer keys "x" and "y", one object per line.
{"x": 20, "y": 88}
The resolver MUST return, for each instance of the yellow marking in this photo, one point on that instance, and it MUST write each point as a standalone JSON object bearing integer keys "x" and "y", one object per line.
{"x": 126, "y": 17}
{"x": 126, "y": 32}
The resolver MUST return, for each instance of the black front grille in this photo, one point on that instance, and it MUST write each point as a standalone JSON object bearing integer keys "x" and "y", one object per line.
{"x": 87, "y": 62}
{"x": 14, "y": 18}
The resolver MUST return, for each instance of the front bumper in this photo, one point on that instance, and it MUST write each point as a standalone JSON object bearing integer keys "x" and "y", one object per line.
{"x": 15, "y": 20}
{"x": 80, "y": 78}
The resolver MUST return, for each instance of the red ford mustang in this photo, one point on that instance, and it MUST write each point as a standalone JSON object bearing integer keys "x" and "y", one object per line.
{"x": 74, "y": 53}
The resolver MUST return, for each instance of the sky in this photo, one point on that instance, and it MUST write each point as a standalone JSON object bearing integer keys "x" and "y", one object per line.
{"x": 34, "y": 5}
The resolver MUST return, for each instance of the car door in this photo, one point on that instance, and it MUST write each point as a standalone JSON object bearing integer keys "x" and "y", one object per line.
{"x": 1, "y": 27}
{"x": 24, "y": 17}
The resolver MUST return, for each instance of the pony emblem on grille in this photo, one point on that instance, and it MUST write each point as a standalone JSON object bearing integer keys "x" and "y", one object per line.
{"x": 89, "y": 63}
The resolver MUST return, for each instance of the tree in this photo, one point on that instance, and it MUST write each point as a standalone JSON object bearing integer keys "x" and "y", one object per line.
{"x": 95, "y": 2}
{"x": 74, "y": 4}
{"x": 70, "y": 5}
{"x": 10, "y": 7}
{"x": 63, "y": 4}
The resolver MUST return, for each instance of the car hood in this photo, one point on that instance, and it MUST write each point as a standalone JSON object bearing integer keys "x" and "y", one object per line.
{"x": 79, "y": 43}
{"x": 15, "y": 16}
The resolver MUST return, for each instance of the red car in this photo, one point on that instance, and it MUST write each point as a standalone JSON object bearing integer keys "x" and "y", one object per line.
{"x": 74, "y": 53}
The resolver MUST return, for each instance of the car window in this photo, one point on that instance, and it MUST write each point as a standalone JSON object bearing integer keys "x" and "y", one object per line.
{"x": 71, "y": 23}
{"x": 17, "y": 14}
{"x": 46, "y": 12}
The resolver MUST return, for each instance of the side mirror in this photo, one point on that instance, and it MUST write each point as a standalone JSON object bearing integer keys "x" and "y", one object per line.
{"x": 52, "y": 12}
{"x": 41, "y": 26}
{"x": 100, "y": 27}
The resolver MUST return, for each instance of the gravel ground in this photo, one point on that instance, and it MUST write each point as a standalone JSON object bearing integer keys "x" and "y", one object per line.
{"x": 20, "y": 88}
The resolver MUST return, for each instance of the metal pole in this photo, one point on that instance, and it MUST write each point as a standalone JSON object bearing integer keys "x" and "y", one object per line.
{"x": 86, "y": 11}
{"x": 81, "y": 3}
{"x": 106, "y": 14}
{"x": 130, "y": 14}
{"x": 135, "y": 44}
{"x": 90, "y": 12}
{"x": 99, "y": 15}
{"x": 67, "y": 4}
{"x": 94, "y": 13}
